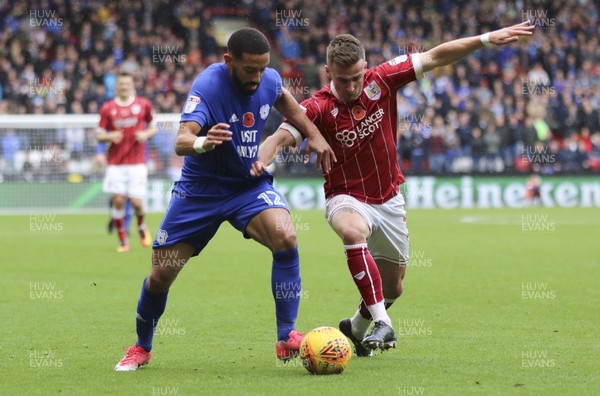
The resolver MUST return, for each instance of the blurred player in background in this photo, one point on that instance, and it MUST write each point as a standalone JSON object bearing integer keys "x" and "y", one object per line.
{"x": 129, "y": 211}
{"x": 357, "y": 115}
{"x": 532, "y": 191}
{"x": 219, "y": 135}
{"x": 126, "y": 124}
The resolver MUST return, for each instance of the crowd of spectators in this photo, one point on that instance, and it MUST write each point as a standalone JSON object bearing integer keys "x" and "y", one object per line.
{"x": 526, "y": 107}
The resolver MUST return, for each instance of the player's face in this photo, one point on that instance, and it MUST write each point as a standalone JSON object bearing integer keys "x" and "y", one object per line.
{"x": 348, "y": 81}
{"x": 246, "y": 72}
{"x": 124, "y": 87}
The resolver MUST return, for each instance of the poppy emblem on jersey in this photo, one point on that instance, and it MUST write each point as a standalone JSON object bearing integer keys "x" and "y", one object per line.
{"x": 373, "y": 91}
{"x": 191, "y": 103}
{"x": 248, "y": 120}
{"x": 358, "y": 113}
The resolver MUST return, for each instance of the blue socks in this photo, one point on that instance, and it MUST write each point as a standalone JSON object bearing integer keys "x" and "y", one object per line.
{"x": 150, "y": 308}
{"x": 286, "y": 286}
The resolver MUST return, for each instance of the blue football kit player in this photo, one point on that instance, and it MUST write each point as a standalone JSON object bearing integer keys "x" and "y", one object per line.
{"x": 219, "y": 134}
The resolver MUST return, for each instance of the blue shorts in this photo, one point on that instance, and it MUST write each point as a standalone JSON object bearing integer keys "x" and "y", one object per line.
{"x": 197, "y": 209}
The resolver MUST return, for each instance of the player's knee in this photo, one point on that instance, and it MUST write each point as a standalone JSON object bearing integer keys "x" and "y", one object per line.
{"x": 394, "y": 290}
{"x": 164, "y": 272}
{"x": 398, "y": 289}
{"x": 160, "y": 281}
{"x": 289, "y": 241}
{"x": 353, "y": 235}
{"x": 284, "y": 240}
{"x": 118, "y": 202}
{"x": 137, "y": 203}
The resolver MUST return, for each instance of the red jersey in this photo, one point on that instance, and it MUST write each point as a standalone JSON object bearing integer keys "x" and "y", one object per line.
{"x": 362, "y": 133}
{"x": 130, "y": 117}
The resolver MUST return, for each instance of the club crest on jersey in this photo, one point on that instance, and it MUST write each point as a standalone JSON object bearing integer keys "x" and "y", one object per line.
{"x": 358, "y": 113}
{"x": 191, "y": 103}
{"x": 135, "y": 109}
{"x": 248, "y": 120}
{"x": 264, "y": 111}
{"x": 373, "y": 91}
{"x": 161, "y": 237}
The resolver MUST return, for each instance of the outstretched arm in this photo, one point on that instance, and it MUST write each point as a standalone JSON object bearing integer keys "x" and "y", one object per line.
{"x": 455, "y": 50}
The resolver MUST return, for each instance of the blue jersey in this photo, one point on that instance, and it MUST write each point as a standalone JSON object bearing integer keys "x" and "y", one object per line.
{"x": 214, "y": 99}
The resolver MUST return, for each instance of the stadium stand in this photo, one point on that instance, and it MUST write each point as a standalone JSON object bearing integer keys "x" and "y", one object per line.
{"x": 528, "y": 107}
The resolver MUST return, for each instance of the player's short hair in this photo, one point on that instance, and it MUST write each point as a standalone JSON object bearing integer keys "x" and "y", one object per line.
{"x": 247, "y": 41}
{"x": 345, "y": 50}
{"x": 124, "y": 74}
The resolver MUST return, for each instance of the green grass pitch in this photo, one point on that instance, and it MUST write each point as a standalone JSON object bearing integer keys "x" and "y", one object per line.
{"x": 496, "y": 302}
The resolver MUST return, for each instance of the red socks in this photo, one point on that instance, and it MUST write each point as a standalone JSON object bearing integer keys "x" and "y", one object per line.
{"x": 365, "y": 273}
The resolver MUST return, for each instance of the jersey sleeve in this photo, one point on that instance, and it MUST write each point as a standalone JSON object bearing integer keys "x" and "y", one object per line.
{"x": 104, "y": 117}
{"x": 274, "y": 80}
{"x": 312, "y": 110}
{"x": 196, "y": 105}
{"x": 149, "y": 114}
{"x": 401, "y": 70}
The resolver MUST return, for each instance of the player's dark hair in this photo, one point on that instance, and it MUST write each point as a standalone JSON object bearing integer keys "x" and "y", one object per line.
{"x": 345, "y": 50}
{"x": 247, "y": 41}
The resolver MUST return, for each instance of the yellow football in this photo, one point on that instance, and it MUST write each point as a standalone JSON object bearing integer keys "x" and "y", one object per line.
{"x": 325, "y": 350}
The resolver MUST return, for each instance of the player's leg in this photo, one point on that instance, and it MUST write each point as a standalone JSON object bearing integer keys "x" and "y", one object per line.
{"x": 262, "y": 214}
{"x": 115, "y": 184}
{"x": 129, "y": 212}
{"x": 138, "y": 207}
{"x": 136, "y": 191}
{"x": 186, "y": 229}
{"x": 392, "y": 277}
{"x": 167, "y": 262}
{"x": 348, "y": 218}
{"x": 110, "y": 226}
{"x": 128, "y": 215}
{"x": 118, "y": 218}
{"x": 274, "y": 229}
{"x": 389, "y": 244}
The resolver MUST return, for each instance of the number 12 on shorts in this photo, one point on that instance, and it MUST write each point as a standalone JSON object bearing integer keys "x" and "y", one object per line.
{"x": 271, "y": 198}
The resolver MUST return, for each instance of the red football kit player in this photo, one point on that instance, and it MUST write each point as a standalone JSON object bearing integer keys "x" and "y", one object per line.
{"x": 359, "y": 123}
{"x": 357, "y": 114}
{"x": 362, "y": 132}
{"x": 126, "y": 123}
